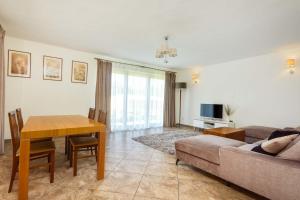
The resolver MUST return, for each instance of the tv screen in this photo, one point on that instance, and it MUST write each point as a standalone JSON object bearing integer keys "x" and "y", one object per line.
{"x": 212, "y": 110}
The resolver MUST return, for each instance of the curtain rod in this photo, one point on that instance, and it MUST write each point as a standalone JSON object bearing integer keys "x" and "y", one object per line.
{"x": 134, "y": 65}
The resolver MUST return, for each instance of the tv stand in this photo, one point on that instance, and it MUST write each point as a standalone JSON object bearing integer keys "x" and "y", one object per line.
{"x": 208, "y": 123}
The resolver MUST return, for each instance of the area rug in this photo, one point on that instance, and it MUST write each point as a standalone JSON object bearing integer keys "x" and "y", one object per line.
{"x": 165, "y": 141}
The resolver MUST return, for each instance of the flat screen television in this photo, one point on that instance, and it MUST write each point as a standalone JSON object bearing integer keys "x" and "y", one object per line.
{"x": 212, "y": 110}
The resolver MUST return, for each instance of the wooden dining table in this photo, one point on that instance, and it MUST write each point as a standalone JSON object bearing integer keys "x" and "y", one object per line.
{"x": 57, "y": 126}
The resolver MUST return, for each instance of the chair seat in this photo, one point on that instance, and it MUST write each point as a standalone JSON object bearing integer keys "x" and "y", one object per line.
{"x": 40, "y": 147}
{"x": 83, "y": 141}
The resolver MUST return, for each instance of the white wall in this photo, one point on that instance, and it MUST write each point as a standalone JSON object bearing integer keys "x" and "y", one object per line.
{"x": 260, "y": 89}
{"x": 44, "y": 97}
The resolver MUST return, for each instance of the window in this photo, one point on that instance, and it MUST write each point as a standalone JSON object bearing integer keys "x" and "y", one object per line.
{"x": 137, "y": 97}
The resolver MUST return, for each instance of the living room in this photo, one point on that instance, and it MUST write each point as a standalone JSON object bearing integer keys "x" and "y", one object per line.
{"x": 141, "y": 100}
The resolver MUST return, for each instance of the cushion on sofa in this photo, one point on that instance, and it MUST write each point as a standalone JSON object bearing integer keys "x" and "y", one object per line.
{"x": 281, "y": 133}
{"x": 260, "y": 132}
{"x": 205, "y": 146}
{"x": 274, "y": 146}
{"x": 292, "y": 151}
{"x": 249, "y": 147}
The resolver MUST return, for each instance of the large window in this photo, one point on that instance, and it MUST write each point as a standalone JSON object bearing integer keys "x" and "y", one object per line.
{"x": 137, "y": 96}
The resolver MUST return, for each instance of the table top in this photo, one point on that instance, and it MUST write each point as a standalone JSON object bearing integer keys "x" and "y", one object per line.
{"x": 225, "y": 130}
{"x": 59, "y": 125}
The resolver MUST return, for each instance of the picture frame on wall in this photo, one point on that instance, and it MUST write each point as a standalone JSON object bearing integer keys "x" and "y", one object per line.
{"x": 19, "y": 64}
{"x": 52, "y": 68}
{"x": 79, "y": 72}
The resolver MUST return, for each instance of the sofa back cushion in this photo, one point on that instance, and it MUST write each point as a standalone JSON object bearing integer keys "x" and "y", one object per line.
{"x": 292, "y": 151}
{"x": 274, "y": 146}
{"x": 282, "y": 133}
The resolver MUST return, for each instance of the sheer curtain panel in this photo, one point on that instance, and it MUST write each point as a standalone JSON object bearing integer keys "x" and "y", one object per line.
{"x": 2, "y": 87}
{"x": 137, "y": 97}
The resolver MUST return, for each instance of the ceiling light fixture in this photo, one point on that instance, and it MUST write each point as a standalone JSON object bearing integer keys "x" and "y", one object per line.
{"x": 164, "y": 51}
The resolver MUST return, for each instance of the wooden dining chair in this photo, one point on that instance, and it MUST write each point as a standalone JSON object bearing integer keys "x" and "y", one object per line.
{"x": 21, "y": 124}
{"x": 44, "y": 149}
{"x": 91, "y": 115}
{"x": 84, "y": 144}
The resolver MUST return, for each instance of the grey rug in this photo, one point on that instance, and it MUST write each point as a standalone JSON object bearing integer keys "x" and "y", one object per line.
{"x": 165, "y": 141}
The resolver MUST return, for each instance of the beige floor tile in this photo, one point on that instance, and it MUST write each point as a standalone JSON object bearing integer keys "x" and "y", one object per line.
{"x": 198, "y": 190}
{"x": 163, "y": 184}
{"x": 192, "y": 173}
{"x": 144, "y": 156}
{"x": 163, "y": 157}
{"x": 158, "y": 187}
{"x": 102, "y": 195}
{"x": 132, "y": 166}
{"x": 120, "y": 182}
{"x": 145, "y": 198}
{"x": 161, "y": 169}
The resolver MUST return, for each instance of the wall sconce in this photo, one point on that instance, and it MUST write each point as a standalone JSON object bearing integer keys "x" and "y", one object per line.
{"x": 195, "y": 78}
{"x": 291, "y": 63}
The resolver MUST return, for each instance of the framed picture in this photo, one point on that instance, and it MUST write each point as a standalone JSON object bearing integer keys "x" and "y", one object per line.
{"x": 19, "y": 64}
{"x": 52, "y": 68}
{"x": 79, "y": 72}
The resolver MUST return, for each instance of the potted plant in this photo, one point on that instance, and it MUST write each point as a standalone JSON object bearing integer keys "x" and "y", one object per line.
{"x": 229, "y": 112}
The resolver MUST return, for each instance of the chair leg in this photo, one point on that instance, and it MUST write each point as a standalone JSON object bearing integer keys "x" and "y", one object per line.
{"x": 70, "y": 156}
{"x": 13, "y": 174}
{"x": 96, "y": 153}
{"x": 91, "y": 150}
{"x": 66, "y": 145}
{"x": 49, "y": 161}
{"x": 52, "y": 166}
{"x": 74, "y": 150}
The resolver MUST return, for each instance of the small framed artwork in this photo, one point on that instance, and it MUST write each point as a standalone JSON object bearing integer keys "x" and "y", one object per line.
{"x": 19, "y": 64}
{"x": 52, "y": 68}
{"x": 79, "y": 72}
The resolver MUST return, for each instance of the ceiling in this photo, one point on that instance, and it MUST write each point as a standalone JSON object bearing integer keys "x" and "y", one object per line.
{"x": 203, "y": 31}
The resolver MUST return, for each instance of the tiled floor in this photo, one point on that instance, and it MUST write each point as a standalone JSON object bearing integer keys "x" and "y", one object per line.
{"x": 133, "y": 172}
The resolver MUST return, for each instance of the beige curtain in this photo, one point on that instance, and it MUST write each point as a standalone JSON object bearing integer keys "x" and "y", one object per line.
{"x": 169, "y": 101}
{"x": 2, "y": 87}
{"x": 103, "y": 89}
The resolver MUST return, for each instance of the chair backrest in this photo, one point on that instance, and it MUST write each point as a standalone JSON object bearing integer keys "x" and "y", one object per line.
{"x": 20, "y": 119}
{"x": 14, "y": 131}
{"x": 102, "y": 117}
{"x": 92, "y": 113}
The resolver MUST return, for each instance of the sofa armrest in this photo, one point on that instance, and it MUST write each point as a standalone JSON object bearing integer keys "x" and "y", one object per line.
{"x": 268, "y": 176}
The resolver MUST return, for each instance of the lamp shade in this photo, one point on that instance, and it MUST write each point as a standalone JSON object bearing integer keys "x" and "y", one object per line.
{"x": 291, "y": 62}
{"x": 180, "y": 85}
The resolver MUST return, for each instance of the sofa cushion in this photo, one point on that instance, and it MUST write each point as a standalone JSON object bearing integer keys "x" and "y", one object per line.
{"x": 292, "y": 151}
{"x": 274, "y": 146}
{"x": 260, "y": 132}
{"x": 249, "y": 147}
{"x": 281, "y": 133}
{"x": 205, "y": 146}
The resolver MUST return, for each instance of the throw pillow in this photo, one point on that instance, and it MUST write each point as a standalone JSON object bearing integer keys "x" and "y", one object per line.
{"x": 281, "y": 133}
{"x": 292, "y": 151}
{"x": 274, "y": 146}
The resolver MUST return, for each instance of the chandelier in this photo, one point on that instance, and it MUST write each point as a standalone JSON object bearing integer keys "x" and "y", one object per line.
{"x": 164, "y": 51}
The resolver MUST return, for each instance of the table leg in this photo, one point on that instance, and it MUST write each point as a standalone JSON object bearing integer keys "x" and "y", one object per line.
{"x": 101, "y": 155}
{"x": 24, "y": 168}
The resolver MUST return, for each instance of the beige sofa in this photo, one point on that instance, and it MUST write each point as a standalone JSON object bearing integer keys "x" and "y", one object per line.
{"x": 233, "y": 161}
